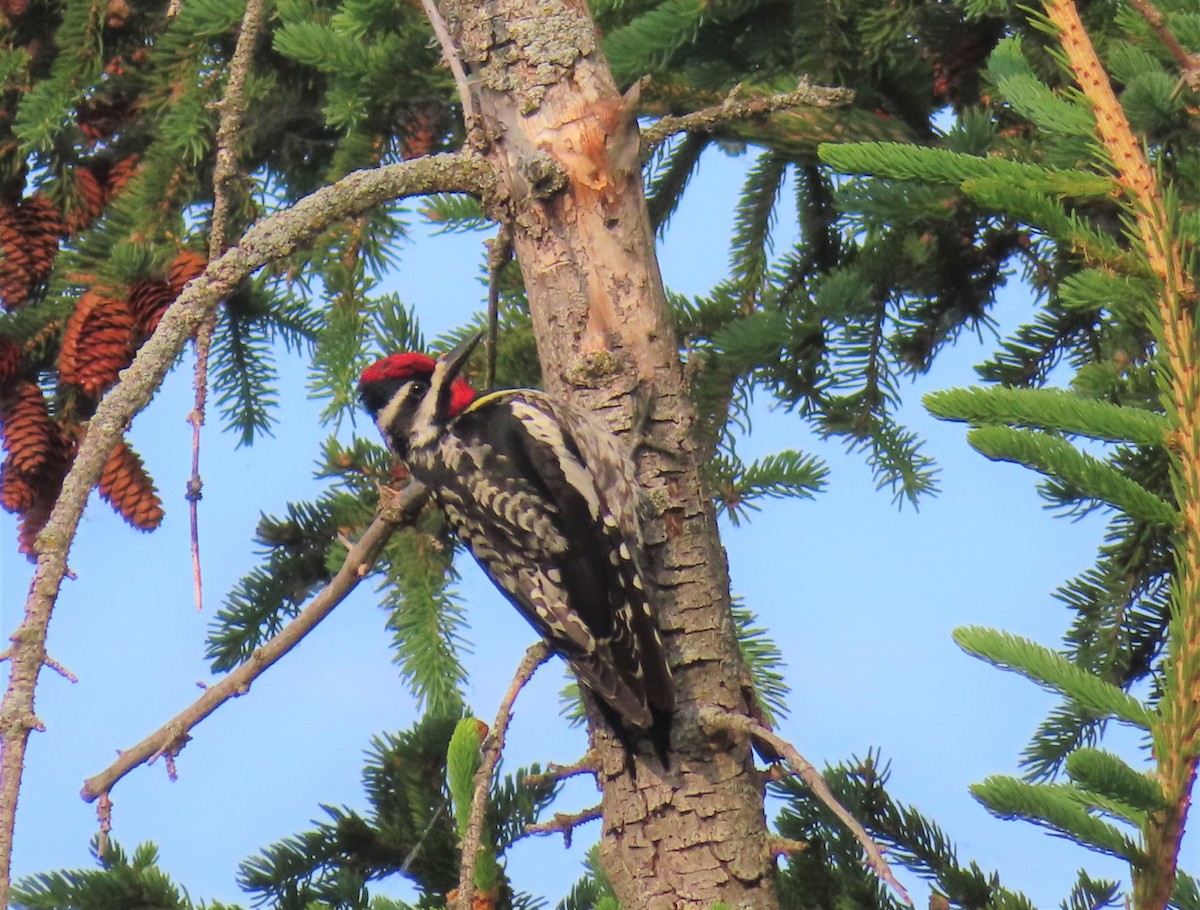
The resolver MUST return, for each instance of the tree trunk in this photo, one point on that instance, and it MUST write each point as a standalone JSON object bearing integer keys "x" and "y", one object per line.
{"x": 566, "y": 148}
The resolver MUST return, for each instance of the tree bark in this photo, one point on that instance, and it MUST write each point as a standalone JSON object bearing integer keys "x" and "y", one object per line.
{"x": 565, "y": 146}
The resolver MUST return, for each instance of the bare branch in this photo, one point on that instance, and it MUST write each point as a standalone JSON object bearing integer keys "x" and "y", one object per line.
{"x": 536, "y": 655}
{"x": 735, "y": 108}
{"x": 566, "y": 822}
{"x": 168, "y": 739}
{"x": 737, "y": 723}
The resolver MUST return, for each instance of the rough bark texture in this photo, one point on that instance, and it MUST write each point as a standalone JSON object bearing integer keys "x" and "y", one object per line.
{"x": 566, "y": 150}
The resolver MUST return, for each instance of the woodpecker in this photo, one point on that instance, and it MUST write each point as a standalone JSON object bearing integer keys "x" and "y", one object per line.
{"x": 546, "y": 500}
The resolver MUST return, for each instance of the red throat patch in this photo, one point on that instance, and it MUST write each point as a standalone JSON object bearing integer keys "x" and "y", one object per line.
{"x": 461, "y": 395}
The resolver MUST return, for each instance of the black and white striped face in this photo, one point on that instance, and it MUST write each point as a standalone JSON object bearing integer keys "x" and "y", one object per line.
{"x": 412, "y": 397}
{"x": 392, "y": 391}
{"x": 396, "y": 417}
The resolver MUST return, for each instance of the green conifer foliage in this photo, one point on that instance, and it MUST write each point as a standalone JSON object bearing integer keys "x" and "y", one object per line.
{"x": 1119, "y": 269}
{"x": 984, "y": 162}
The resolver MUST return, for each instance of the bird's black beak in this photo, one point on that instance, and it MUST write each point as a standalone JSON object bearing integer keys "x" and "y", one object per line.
{"x": 456, "y": 359}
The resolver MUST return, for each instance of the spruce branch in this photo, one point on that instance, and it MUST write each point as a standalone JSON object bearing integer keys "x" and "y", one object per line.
{"x": 1059, "y": 807}
{"x": 271, "y": 238}
{"x": 170, "y": 738}
{"x": 933, "y": 165}
{"x": 717, "y": 719}
{"x": 733, "y": 107}
{"x": 1176, "y": 728}
{"x": 1092, "y": 477}
{"x": 1050, "y": 409}
{"x": 1053, "y": 672}
{"x": 536, "y": 655}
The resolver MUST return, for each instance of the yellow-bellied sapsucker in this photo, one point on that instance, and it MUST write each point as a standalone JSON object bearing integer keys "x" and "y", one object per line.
{"x": 546, "y": 500}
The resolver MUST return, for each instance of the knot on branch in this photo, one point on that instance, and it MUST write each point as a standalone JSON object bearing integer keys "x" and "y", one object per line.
{"x": 544, "y": 175}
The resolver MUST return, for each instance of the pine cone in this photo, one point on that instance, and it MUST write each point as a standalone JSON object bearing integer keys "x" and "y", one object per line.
{"x": 31, "y": 438}
{"x": 42, "y": 225}
{"x": 120, "y": 174}
{"x": 97, "y": 344}
{"x": 129, "y": 490}
{"x": 17, "y": 489}
{"x": 14, "y": 261}
{"x": 91, "y": 193}
{"x": 148, "y": 300}
{"x": 10, "y": 361}
{"x": 186, "y": 266}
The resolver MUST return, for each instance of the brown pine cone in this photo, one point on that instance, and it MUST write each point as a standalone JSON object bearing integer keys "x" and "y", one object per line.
{"x": 31, "y": 438}
{"x": 91, "y": 193}
{"x": 97, "y": 344}
{"x": 15, "y": 282}
{"x": 186, "y": 266}
{"x": 148, "y": 300}
{"x": 120, "y": 174}
{"x": 10, "y": 361}
{"x": 42, "y": 224}
{"x": 129, "y": 490}
{"x": 17, "y": 490}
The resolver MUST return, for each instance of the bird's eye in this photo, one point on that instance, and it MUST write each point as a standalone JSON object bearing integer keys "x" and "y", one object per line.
{"x": 417, "y": 388}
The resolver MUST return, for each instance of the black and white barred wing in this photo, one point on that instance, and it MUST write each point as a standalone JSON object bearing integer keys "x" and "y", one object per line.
{"x": 582, "y": 462}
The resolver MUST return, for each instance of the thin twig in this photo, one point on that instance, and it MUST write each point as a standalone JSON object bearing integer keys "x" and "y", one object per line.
{"x": 61, "y": 670}
{"x": 1189, "y": 64}
{"x": 566, "y": 823}
{"x": 168, "y": 739}
{"x": 500, "y": 250}
{"x": 739, "y": 723}
{"x": 274, "y": 237}
{"x": 735, "y": 108}
{"x": 536, "y": 655}
{"x": 453, "y": 60}
{"x": 225, "y": 174}
{"x": 555, "y": 773}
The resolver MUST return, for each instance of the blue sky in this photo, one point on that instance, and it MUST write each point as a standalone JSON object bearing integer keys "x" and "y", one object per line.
{"x": 860, "y": 596}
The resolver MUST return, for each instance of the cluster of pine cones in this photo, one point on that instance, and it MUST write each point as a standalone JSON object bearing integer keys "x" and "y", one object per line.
{"x": 97, "y": 341}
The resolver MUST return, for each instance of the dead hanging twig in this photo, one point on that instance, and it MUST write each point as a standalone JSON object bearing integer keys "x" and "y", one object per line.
{"x": 232, "y": 107}
{"x": 739, "y": 723}
{"x": 536, "y": 655}
{"x": 172, "y": 736}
